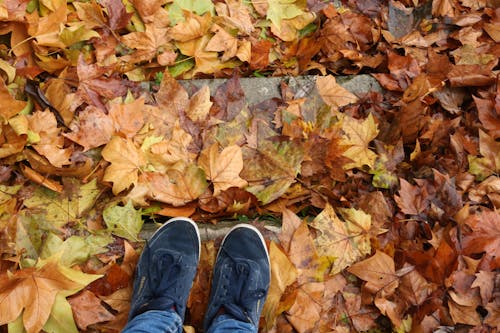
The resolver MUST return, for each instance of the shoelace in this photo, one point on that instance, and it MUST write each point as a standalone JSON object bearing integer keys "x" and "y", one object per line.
{"x": 240, "y": 302}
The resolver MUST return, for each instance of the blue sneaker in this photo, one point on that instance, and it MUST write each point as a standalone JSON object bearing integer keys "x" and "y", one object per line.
{"x": 241, "y": 278}
{"x": 166, "y": 269}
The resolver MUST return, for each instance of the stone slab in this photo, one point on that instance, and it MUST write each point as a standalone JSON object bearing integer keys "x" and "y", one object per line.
{"x": 259, "y": 89}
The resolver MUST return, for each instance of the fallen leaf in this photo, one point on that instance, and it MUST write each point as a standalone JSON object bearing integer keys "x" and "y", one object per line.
{"x": 357, "y": 136}
{"x": 34, "y": 291}
{"x": 123, "y": 221}
{"x": 51, "y": 144}
{"x": 379, "y": 273}
{"x": 88, "y": 310}
{"x": 222, "y": 168}
{"x": 332, "y": 93}
{"x": 93, "y": 128}
{"x": 283, "y": 274}
{"x": 343, "y": 242}
{"x": 10, "y": 106}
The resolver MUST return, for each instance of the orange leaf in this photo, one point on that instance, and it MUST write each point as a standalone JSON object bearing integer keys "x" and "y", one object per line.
{"x": 34, "y": 291}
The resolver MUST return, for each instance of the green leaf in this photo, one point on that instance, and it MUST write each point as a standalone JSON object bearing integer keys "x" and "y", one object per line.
{"x": 199, "y": 7}
{"x": 123, "y": 221}
{"x": 76, "y": 249}
{"x": 61, "y": 318}
{"x": 62, "y": 210}
{"x": 281, "y": 10}
{"x": 181, "y": 67}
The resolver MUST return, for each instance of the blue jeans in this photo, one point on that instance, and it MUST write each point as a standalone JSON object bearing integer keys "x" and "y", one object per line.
{"x": 156, "y": 321}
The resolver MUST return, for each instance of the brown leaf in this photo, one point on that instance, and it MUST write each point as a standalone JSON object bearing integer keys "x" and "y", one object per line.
{"x": 488, "y": 115}
{"x": 92, "y": 129}
{"x": 229, "y": 100}
{"x": 88, "y": 310}
{"x": 485, "y": 235}
{"x": 485, "y": 282}
{"x": 117, "y": 15}
{"x": 260, "y": 54}
{"x": 379, "y": 273}
{"x": 305, "y": 313}
{"x": 412, "y": 199}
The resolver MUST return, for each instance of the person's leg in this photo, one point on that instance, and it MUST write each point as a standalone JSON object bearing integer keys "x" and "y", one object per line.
{"x": 242, "y": 273}
{"x": 163, "y": 278}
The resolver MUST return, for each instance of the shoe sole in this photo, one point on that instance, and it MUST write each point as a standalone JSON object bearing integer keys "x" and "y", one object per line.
{"x": 251, "y": 227}
{"x": 185, "y": 219}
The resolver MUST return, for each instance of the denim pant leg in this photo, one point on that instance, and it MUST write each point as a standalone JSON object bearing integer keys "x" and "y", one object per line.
{"x": 227, "y": 324}
{"x": 155, "y": 321}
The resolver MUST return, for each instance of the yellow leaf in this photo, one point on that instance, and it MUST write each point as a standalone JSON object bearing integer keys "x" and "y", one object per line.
{"x": 358, "y": 134}
{"x": 332, "y": 93}
{"x": 126, "y": 161}
{"x": 346, "y": 242}
{"x": 283, "y": 274}
{"x": 223, "y": 168}
{"x": 33, "y": 290}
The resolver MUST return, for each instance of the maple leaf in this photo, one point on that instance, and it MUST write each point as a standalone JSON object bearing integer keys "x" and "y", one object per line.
{"x": 179, "y": 186}
{"x": 128, "y": 118}
{"x": 193, "y": 27}
{"x": 332, "y": 93}
{"x": 117, "y": 15}
{"x": 88, "y": 310}
{"x": 485, "y": 236}
{"x": 237, "y": 14}
{"x": 91, "y": 129}
{"x": 206, "y": 62}
{"x": 283, "y": 274}
{"x": 199, "y": 105}
{"x": 46, "y": 29}
{"x": 93, "y": 83}
{"x": 222, "y": 168}
{"x": 271, "y": 169}
{"x": 126, "y": 161}
{"x": 60, "y": 210}
{"x": 51, "y": 144}
{"x": 147, "y": 44}
{"x": 343, "y": 242}
{"x": 483, "y": 167}
{"x": 9, "y": 106}
{"x": 379, "y": 273}
{"x": 357, "y": 136}
{"x": 34, "y": 291}
{"x": 412, "y": 199}
{"x": 91, "y": 14}
{"x": 123, "y": 221}
{"x": 222, "y": 41}
{"x": 283, "y": 9}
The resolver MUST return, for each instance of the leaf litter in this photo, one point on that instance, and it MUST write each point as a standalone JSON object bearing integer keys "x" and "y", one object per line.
{"x": 388, "y": 201}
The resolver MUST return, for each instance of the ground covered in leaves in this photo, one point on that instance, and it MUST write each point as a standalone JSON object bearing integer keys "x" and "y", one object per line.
{"x": 387, "y": 201}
